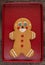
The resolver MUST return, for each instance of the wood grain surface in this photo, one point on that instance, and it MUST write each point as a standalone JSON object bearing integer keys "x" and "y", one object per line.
{"x": 13, "y": 63}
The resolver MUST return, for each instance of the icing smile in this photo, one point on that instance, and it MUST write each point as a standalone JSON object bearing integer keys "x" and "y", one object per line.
{"x": 22, "y": 29}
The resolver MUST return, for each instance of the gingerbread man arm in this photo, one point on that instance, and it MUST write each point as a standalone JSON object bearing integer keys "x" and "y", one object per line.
{"x": 33, "y": 35}
{"x": 11, "y": 35}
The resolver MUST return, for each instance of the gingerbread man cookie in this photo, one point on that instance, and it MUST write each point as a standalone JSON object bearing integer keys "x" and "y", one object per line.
{"x": 22, "y": 35}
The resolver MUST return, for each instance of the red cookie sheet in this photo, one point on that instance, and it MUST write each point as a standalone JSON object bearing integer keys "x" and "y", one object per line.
{"x": 10, "y": 13}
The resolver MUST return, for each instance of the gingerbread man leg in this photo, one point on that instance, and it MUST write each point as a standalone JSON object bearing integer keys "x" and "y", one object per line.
{"x": 30, "y": 53}
{"x": 13, "y": 53}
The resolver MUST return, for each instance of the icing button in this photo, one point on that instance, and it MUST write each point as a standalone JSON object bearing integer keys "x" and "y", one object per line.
{"x": 21, "y": 45}
{"x": 21, "y": 40}
{"x": 22, "y": 35}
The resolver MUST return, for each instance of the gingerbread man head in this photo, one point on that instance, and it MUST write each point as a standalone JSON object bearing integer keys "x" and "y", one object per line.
{"x": 22, "y": 24}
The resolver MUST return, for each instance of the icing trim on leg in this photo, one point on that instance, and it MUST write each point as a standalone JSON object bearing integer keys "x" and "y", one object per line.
{"x": 30, "y": 53}
{"x": 13, "y": 53}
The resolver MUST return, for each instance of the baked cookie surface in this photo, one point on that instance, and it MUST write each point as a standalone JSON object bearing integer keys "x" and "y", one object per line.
{"x": 22, "y": 35}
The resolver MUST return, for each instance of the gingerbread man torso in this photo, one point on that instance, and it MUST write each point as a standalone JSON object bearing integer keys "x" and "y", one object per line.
{"x": 22, "y": 41}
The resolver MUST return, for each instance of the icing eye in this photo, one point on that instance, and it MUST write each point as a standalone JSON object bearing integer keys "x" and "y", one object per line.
{"x": 25, "y": 24}
{"x": 20, "y": 24}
